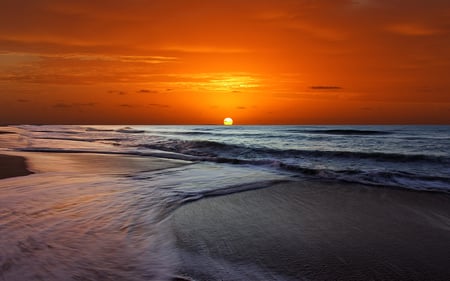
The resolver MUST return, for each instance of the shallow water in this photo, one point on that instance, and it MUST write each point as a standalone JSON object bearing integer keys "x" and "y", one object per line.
{"x": 69, "y": 226}
{"x": 103, "y": 217}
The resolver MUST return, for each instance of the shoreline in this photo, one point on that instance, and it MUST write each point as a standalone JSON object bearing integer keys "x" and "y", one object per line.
{"x": 22, "y": 163}
{"x": 303, "y": 230}
{"x": 315, "y": 231}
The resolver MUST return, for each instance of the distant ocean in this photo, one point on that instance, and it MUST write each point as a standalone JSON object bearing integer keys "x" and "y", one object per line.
{"x": 81, "y": 221}
{"x": 412, "y": 157}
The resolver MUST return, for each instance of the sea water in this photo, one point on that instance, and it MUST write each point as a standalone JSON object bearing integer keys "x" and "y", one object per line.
{"x": 71, "y": 223}
{"x": 415, "y": 157}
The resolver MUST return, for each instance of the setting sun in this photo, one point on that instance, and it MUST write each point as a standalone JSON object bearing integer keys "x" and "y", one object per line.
{"x": 228, "y": 121}
{"x": 85, "y": 62}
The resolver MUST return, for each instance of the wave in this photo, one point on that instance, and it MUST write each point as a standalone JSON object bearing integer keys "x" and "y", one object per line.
{"x": 194, "y": 148}
{"x": 378, "y": 156}
{"x": 345, "y": 132}
{"x": 191, "y": 133}
{"x": 91, "y": 129}
{"x": 231, "y": 153}
{"x": 129, "y": 130}
{"x": 376, "y": 178}
{"x": 196, "y": 195}
{"x": 241, "y": 152}
{"x": 399, "y": 179}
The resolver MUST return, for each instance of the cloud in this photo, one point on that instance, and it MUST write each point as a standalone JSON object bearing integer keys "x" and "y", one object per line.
{"x": 205, "y": 50}
{"x": 121, "y": 93}
{"x": 326, "y": 88}
{"x": 126, "y": 105}
{"x": 413, "y": 29}
{"x": 22, "y": 100}
{"x": 145, "y": 91}
{"x": 77, "y": 69}
{"x": 312, "y": 95}
{"x": 240, "y": 107}
{"x": 62, "y": 105}
{"x": 159, "y": 105}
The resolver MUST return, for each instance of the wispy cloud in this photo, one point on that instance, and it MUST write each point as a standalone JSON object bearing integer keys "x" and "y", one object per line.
{"x": 127, "y": 105}
{"x": 146, "y": 91}
{"x": 62, "y": 105}
{"x": 325, "y": 88}
{"x": 86, "y": 56}
{"x": 413, "y": 29}
{"x": 158, "y": 105}
{"x": 117, "y": 92}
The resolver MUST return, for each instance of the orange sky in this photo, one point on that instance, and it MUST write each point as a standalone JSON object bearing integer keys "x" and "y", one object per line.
{"x": 196, "y": 62}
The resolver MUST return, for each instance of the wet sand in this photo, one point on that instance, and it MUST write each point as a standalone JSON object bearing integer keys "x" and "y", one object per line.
{"x": 24, "y": 163}
{"x": 316, "y": 231}
{"x": 12, "y": 166}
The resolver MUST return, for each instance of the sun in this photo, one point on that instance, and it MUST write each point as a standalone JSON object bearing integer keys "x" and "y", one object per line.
{"x": 228, "y": 121}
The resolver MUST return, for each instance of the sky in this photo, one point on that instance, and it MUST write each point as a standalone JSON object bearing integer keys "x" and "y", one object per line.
{"x": 197, "y": 62}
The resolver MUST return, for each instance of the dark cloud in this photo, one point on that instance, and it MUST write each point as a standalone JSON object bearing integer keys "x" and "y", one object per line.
{"x": 121, "y": 93}
{"x": 145, "y": 91}
{"x": 127, "y": 105}
{"x": 325, "y": 88}
{"x": 317, "y": 94}
{"x": 159, "y": 105}
{"x": 22, "y": 100}
{"x": 240, "y": 107}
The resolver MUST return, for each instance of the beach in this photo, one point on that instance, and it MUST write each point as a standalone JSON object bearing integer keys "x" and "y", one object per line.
{"x": 168, "y": 203}
{"x": 78, "y": 217}
{"x": 316, "y": 231}
{"x": 304, "y": 230}
{"x": 11, "y": 165}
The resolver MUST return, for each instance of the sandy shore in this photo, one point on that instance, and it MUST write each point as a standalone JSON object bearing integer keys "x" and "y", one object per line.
{"x": 22, "y": 163}
{"x": 316, "y": 231}
{"x": 289, "y": 231}
{"x": 12, "y": 166}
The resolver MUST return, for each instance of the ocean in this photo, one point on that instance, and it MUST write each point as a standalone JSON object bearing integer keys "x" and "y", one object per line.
{"x": 416, "y": 157}
{"x": 91, "y": 217}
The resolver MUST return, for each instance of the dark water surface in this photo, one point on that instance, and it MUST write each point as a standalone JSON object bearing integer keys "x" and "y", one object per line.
{"x": 415, "y": 157}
